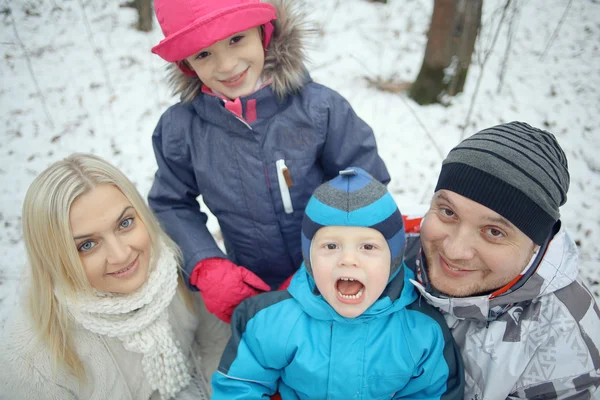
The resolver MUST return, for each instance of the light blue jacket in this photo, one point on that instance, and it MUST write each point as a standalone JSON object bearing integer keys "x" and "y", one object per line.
{"x": 293, "y": 342}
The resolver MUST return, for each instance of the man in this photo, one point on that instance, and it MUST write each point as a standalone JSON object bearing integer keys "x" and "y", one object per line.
{"x": 497, "y": 262}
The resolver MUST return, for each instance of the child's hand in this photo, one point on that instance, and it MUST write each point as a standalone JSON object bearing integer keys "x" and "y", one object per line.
{"x": 224, "y": 285}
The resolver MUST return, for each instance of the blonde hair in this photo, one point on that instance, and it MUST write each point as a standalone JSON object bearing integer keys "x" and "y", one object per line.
{"x": 56, "y": 269}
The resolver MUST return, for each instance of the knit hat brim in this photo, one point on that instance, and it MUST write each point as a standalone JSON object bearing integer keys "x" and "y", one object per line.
{"x": 499, "y": 196}
{"x": 211, "y": 28}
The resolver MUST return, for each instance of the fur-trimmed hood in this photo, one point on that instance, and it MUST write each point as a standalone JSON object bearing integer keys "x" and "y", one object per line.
{"x": 284, "y": 58}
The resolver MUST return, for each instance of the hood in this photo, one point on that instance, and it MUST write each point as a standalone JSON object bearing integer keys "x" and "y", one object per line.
{"x": 398, "y": 293}
{"x": 553, "y": 267}
{"x": 284, "y": 58}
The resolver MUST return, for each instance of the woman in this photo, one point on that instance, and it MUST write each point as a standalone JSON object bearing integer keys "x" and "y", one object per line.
{"x": 105, "y": 313}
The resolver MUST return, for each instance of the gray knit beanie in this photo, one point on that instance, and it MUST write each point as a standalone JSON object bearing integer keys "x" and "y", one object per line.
{"x": 516, "y": 170}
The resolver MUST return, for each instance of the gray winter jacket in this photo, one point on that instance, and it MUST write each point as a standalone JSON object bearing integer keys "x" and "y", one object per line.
{"x": 237, "y": 163}
{"x": 540, "y": 340}
{"x": 28, "y": 371}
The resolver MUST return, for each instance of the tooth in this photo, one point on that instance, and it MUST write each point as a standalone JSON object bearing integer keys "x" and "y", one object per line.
{"x": 351, "y": 296}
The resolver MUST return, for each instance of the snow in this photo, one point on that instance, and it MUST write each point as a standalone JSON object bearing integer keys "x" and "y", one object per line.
{"x": 77, "y": 76}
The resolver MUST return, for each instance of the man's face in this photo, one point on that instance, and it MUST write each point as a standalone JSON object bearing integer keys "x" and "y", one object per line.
{"x": 470, "y": 249}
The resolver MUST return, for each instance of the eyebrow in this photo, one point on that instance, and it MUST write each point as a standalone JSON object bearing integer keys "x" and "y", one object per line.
{"x": 500, "y": 220}
{"x": 444, "y": 197}
{"x": 117, "y": 220}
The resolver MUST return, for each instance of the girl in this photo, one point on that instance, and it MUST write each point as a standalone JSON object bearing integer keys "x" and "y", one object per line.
{"x": 105, "y": 313}
{"x": 254, "y": 135}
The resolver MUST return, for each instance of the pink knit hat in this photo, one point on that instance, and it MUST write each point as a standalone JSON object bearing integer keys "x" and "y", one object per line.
{"x": 191, "y": 25}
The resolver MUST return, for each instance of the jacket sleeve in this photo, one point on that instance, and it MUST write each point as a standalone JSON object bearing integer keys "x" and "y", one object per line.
{"x": 173, "y": 196}
{"x": 350, "y": 142}
{"x": 439, "y": 372}
{"x": 251, "y": 364}
{"x": 19, "y": 379}
{"x": 575, "y": 387}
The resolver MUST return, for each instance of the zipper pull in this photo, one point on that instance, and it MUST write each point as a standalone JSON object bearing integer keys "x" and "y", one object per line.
{"x": 287, "y": 176}
{"x": 284, "y": 179}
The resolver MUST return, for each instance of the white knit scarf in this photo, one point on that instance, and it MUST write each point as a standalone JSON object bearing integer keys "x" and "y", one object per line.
{"x": 140, "y": 321}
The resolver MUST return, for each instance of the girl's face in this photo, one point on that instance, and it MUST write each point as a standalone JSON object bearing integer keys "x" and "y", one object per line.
{"x": 112, "y": 241}
{"x": 231, "y": 66}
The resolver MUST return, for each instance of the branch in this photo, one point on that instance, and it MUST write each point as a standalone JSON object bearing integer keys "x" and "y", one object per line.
{"x": 427, "y": 133}
{"x": 31, "y": 72}
{"x": 555, "y": 33}
{"x": 485, "y": 59}
{"x": 511, "y": 34}
{"x": 97, "y": 50}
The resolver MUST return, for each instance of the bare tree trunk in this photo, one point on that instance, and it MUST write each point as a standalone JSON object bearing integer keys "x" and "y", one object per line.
{"x": 450, "y": 44}
{"x": 145, "y": 12}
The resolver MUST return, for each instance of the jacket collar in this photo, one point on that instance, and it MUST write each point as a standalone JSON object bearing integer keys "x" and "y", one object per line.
{"x": 397, "y": 295}
{"x": 259, "y": 105}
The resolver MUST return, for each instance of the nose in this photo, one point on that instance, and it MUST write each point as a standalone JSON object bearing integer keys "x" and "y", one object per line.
{"x": 226, "y": 62}
{"x": 118, "y": 252}
{"x": 348, "y": 258}
{"x": 459, "y": 246}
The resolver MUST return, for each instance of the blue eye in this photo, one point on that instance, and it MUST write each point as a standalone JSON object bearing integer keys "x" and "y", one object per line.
{"x": 126, "y": 223}
{"x": 86, "y": 246}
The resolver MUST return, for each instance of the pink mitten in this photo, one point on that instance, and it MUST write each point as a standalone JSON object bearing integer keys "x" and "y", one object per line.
{"x": 224, "y": 285}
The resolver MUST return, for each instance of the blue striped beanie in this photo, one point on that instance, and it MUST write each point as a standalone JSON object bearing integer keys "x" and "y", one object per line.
{"x": 354, "y": 198}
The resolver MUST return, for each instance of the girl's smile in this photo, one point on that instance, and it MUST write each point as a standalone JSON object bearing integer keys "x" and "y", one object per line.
{"x": 236, "y": 80}
{"x": 232, "y": 66}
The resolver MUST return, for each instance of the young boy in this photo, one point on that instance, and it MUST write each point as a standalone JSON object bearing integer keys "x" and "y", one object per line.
{"x": 350, "y": 324}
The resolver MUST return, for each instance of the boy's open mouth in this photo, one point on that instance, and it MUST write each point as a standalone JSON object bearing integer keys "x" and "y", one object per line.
{"x": 349, "y": 289}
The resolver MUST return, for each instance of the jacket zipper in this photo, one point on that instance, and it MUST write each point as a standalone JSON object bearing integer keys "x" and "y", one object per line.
{"x": 242, "y": 121}
{"x": 284, "y": 184}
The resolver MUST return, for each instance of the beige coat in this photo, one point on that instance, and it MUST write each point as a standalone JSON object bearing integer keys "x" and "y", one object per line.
{"x": 27, "y": 371}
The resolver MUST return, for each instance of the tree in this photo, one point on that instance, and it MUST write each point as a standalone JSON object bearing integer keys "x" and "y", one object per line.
{"x": 450, "y": 44}
{"x": 145, "y": 13}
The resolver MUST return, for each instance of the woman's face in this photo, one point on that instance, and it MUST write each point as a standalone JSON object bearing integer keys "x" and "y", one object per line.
{"x": 112, "y": 241}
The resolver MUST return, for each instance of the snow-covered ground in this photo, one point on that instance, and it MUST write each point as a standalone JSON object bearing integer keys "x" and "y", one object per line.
{"x": 76, "y": 76}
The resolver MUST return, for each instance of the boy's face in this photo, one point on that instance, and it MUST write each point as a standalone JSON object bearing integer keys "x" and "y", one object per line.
{"x": 351, "y": 267}
{"x": 231, "y": 66}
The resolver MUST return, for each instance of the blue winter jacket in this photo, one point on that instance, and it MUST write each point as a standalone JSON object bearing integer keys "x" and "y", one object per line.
{"x": 203, "y": 149}
{"x": 293, "y": 342}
